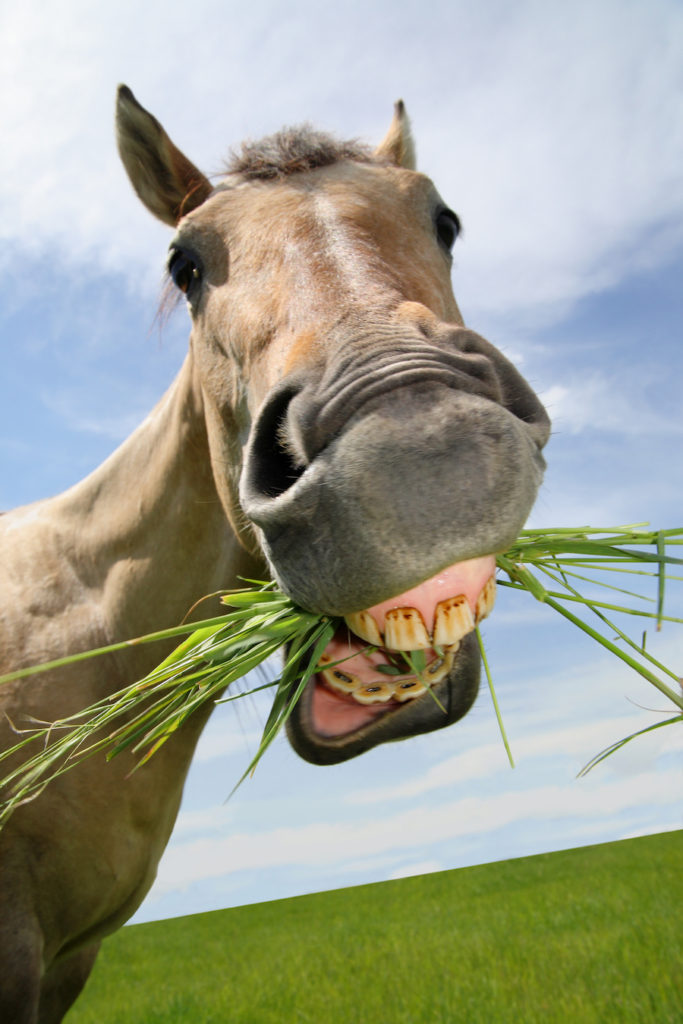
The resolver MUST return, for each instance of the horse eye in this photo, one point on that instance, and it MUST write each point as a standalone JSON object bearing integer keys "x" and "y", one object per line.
{"x": 183, "y": 270}
{"x": 447, "y": 228}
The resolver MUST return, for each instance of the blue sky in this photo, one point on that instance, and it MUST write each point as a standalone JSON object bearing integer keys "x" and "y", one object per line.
{"x": 556, "y": 133}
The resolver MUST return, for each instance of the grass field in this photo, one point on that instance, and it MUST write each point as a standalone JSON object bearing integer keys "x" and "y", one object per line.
{"x": 587, "y": 935}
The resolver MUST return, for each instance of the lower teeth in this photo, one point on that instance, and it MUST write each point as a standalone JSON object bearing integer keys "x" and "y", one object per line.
{"x": 381, "y": 691}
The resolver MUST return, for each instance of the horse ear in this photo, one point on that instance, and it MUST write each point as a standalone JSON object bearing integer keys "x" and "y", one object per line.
{"x": 165, "y": 180}
{"x": 397, "y": 146}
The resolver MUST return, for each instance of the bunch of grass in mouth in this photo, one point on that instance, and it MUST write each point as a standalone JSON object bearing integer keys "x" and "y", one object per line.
{"x": 550, "y": 565}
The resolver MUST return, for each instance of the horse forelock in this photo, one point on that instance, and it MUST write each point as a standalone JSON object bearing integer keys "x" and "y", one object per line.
{"x": 293, "y": 150}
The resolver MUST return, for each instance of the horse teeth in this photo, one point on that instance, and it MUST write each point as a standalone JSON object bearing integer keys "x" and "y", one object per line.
{"x": 381, "y": 691}
{"x": 342, "y": 682}
{"x": 486, "y": 599}
{"x": 440, "y": 667}
{"x": 364, "y": 626}
{"x": 409, "y": 689}
{"x": 404, "y": 630}
{"x": 453, "y": 621}
{"x": 378, "y": 692}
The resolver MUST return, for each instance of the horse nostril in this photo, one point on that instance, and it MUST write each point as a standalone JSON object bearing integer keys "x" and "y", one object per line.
{"x": 271, "y": 466}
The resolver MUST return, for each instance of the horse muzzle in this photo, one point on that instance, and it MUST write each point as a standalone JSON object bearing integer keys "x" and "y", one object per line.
{"x": 374, "y": 471}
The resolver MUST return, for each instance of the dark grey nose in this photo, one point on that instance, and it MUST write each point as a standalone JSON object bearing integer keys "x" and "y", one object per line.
{"x": 388, "y": 461}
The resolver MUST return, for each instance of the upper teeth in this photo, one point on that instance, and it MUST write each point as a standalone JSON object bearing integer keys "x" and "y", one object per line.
{"x": 364, "y": 626}
{"x": 405, "y": 629}
{"x": 486, "y": 599}
{"x": 453, "y": 620}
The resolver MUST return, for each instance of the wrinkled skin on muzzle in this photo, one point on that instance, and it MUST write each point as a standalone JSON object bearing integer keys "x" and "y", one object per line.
{"x": 397, "y": 456}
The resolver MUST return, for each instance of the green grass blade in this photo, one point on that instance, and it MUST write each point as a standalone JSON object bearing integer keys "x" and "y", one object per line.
{"x": 216, "y": 652}
{"x": 316, "y": 642}
{"x": 661, "y": 551}
{"x": 492, "y": 691}
{"x": 72, "y": 659}
{"x": 610, "y": 646}
{"x": 622, "y": 743}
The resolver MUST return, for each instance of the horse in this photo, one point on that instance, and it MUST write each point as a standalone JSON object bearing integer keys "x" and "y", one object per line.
{"x": 334, "y": 427}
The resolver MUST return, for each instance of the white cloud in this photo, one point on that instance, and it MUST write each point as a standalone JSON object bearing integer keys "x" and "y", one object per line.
{"x": 578, "y": 743}
{"x": 645, "y": 832}
{"x": 203, "y": 820}
{"x": 116, "y": 427}
{"x": 591, "y": 402}
{"x": 226, "y": 741}
{"x": 555, "y": 131}
{"x": 331, "y": 843}
{"x": 236, "y": 727}
{"x": 356, "y": 821}
{"x": 423, "y": 867}
{"x": 478, "y": 763}
{"x": 576, "y": 107}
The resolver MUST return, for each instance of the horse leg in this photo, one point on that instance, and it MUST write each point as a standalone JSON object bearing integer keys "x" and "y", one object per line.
{"x": 63, "y": 983}
{"x": 20, "y": 970}
{"x": 28, "y": 994}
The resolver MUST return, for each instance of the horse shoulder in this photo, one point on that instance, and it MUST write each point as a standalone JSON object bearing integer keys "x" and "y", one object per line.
{"x": 46, "y": 606}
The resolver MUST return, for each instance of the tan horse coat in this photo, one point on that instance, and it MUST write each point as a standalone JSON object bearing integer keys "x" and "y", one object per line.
{"x": 313, "y": 252}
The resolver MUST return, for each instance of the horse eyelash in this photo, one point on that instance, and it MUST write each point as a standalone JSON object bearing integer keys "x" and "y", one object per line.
{"x": 169, "y": 300}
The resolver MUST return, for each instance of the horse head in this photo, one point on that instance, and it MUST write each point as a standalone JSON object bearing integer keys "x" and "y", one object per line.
{"x": 375, "y": 450}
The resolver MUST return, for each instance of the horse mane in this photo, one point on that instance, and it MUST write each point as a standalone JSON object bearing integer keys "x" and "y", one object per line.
{"x": 292, "y": 150}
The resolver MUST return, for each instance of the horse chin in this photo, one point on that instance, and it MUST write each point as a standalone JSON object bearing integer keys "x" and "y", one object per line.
{"x": 327, "y": 728}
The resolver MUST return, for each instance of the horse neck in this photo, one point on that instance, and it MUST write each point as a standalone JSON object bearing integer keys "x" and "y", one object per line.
{"x": 147, "y": 531}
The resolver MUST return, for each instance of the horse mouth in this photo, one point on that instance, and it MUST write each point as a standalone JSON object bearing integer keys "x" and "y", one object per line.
{"x": 386, "y": 660}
